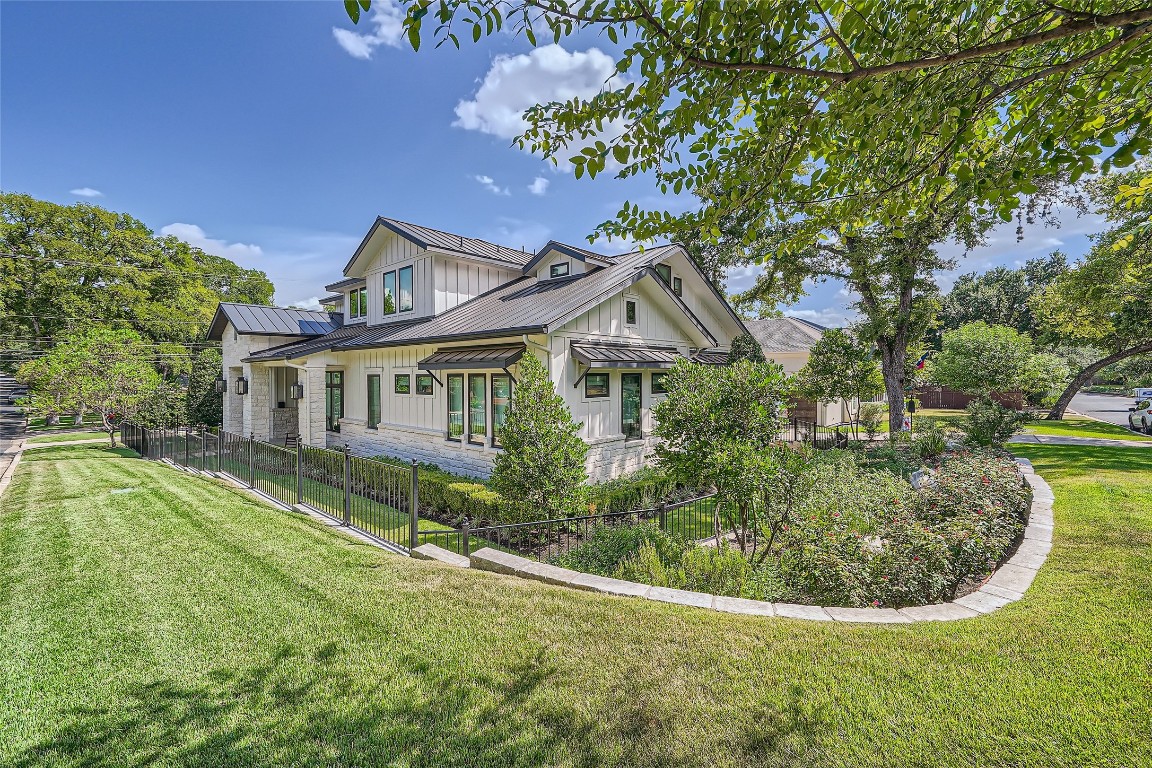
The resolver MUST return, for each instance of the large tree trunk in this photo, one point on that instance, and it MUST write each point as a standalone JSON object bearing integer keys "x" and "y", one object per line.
{"x": 893, "y": 358}
{"x": 1086, "y": 375}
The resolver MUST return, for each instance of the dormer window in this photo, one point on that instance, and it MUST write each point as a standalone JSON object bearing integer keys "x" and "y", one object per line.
{"x": 389, "y": 293}
{"x": 678, "y": 287}
{"x": 559, "y": 269}
{"x": 665, "y": 272}
{"x": 358, "y": 302}
{"x": 406, "y": 289}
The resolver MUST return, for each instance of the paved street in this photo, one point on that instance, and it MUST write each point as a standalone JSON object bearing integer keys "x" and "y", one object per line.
{"x": 1110, "y": 408}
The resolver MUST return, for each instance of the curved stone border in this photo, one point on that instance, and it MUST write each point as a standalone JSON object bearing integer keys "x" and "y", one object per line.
{"x": 1007, "y": 584}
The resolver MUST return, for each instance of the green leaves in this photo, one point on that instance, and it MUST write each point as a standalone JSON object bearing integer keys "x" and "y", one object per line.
{"x": 353, "y": 8}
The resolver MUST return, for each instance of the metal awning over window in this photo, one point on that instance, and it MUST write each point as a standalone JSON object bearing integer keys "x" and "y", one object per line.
{"x": 711, "y": 357}
{"x": 624, "y": 356}
{"x": 471, "y": 358}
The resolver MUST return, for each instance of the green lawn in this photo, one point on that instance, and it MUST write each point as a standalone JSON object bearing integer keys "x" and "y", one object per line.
{"x": 150, "y": 617}
{"x": 1079, "y": 426}
{"x": 36, "y": 423}
{"x": 67, "y": 437}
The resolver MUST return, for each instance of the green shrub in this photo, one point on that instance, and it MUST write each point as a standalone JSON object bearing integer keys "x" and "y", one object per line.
{"x": 642, "y": 489}
{"x": 450, "y": 498}
{"x": 715, "y": 570}
{"x": 872, "y": 418}
{"x": 607, "y": 546}
{"x": 989, "y": 424}
{"x": 930, "y": 441}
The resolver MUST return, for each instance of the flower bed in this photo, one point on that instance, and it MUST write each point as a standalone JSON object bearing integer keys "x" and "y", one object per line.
{"x": 859, "y": 537}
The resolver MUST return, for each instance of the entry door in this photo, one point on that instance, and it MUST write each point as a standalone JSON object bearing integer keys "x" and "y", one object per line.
{"x": 630, "y": 405}
{"x": 333, "y": 399}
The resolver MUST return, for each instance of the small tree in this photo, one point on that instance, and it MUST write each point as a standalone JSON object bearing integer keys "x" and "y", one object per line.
{"x": 745, "y": 347}
{"x": 541, "y": 471}
{"x": 980, "y": 359}
{"x": 841, "y": 367}
{"x": 104, "y": 370}
{"x": 719, "y": 426}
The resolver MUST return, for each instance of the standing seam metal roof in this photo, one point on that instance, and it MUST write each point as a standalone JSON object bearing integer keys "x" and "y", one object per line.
{"x": 785, "y": 334}
{"x": 272, "y": 321}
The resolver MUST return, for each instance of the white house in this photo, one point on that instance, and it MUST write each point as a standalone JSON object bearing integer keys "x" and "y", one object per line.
{"x": 789, "y": 341}
{"x": 416, "y": 355}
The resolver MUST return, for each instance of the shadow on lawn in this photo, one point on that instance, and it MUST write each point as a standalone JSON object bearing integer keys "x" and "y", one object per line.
{"x": 307, "y": 709}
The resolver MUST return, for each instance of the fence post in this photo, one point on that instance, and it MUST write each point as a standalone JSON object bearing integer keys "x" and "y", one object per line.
{"x": 187, "y": 437}
{"x": 414, "y": 508}
{"x": 203, "y": 448}
{"x": 299, "y": 471}
{"x": 251, "y": 459}
{"x": 663, "y": 516}
{"x": 347, "y": 486}
{"x": 220, "y": 450}
{"x": 466, "y": 538}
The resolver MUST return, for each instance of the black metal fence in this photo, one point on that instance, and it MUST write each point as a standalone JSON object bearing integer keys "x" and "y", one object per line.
{"x": 542, "y": 539}
{"x": 376, "y": 498}
{"x": 818, "y": 436}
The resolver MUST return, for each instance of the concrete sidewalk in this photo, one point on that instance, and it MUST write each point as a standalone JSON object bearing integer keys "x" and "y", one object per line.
{"x": 1100, "y": 442}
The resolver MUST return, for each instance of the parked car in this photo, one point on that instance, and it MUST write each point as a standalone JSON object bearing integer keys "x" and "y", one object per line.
{"x": 1140, "y": 417}
{"x": 1142, "y": 393}
{"x": 17, "y": 394}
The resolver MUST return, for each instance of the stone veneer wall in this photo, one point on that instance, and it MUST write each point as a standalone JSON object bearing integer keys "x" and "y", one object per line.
{"x": 607, "y": 459}
{"x": 284, "y": 422}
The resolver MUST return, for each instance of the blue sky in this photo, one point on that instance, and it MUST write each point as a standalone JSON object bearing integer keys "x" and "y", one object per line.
{"x": 260, "y": 132}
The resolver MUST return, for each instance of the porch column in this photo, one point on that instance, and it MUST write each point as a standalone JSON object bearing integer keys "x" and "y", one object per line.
{"x": 258, "y": 402}
{"x": 310, "y": 415}
{"x": 233, "y": 403}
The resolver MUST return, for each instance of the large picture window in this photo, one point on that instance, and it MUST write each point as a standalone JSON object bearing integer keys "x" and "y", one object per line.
{"x": 501, "y": 400}
{"x": 477, "y": 407}
{"x": 373, "y": 400}
{"x": 455, "y": 383}
{"x": 630, "y": 405}
{"x": 389, "y": 293}
{"x": 406, "y": 289}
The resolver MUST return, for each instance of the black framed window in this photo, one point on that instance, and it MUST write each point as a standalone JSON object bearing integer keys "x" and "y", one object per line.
{"x": 363, "y": 302}
{"x": 402, "y": 384}
{"x": 631, "y": 400}
{"x": 455, "y": 384}
{"x": 353, "y": 303}
{"x": 630, "y": 312}
{"x": 373, "y": 400}
{"x": 389, "y": 293}
{"x": 405, "y": 278}
{"x": 423, "y": 383}
{"x": 658, "y": 383}
{"x": 501, "y": 401}
{"x": 677, "y": 286}
{"x": 558, "y": 270}
{"x": 596, "y": 385}
{"x": 333, "y": 399}
{"x": 665, "y": 272}
{"x": 477, "y": 407}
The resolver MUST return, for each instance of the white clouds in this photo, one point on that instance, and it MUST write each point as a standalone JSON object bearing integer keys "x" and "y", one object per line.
{"x": 194, "y": 235}
{"x": 550, "y": 73}
{"x": 538, "y": 186}
{"x": 312, "y": 302}
{"x": 388, "y": 20}
{"x": 86, "y": 192}
{"x": 490, "y": 184}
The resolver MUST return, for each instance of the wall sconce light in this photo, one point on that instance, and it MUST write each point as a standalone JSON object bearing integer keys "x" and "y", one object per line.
{"x": 221, "y": 385}
{"x": 296, "y": 391}
{"x": 241, "y": 386}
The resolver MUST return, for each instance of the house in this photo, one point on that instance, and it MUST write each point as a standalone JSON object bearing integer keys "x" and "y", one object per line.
{"x": 789, "y": 341}
{"x": 415, "y": 352}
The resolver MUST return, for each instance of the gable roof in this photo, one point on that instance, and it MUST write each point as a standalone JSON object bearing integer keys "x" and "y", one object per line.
{"x": 785, "y": 334}
{"x": 426, "y": 237}
{"x": 580, "y": 254}
{"x": 524, "y": 305}
{"x": 272, "y": 321}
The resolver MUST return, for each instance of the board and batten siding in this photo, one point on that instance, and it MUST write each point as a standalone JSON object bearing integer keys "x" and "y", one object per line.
{"x": 396, "y": 252}
{"x": 455, "y": 281}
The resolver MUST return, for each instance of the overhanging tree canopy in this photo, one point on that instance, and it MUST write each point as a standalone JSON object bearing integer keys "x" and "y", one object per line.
{"x": 848, "y": 112}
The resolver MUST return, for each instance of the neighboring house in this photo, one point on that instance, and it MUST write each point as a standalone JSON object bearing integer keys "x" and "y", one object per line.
{"x": 789, "y": 341}
{"x": 415, "y": 354}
